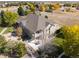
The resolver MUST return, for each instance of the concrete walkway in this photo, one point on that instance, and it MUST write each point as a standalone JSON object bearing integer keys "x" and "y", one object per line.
{"x": 3, "y": 31}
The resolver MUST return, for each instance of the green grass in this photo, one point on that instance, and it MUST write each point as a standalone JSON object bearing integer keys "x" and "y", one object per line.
{"x": 10, "y": 29}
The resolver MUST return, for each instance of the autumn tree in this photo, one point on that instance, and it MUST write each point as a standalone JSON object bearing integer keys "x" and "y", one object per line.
{"x": 42, "y": 7}
{"x": 56, "y": 6}
{"x": 32, "y": 6}
{"x": 48, "y": 8}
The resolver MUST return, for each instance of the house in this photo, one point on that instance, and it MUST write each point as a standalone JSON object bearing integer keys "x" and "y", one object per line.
{"x": 40, "y": 26}
{"x": 37, "y": 26}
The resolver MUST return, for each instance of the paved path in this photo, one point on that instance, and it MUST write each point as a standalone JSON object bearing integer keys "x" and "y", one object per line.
{"x": 3, "y": 31}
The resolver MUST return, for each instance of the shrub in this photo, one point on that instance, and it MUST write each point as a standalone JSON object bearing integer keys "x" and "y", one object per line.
{"x": 31, "y": 5}
{"x": 12, "y": 48}
{"x": 20, "y": 49}
{"x": 2, "y": 43}
{"x": 8, "y": 18}
{"x": 27, "y": 12}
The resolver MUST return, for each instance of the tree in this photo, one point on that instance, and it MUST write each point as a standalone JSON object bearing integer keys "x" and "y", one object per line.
{"x": 42, "y": 7}
{"x": 21, "y": 11}
{"x": 71, "y": 40}
{"x": 9, "y": 18}
{"x": 27, "y": 12}
{"x": 49, "y": 51}
{"x": 48, "y": 8}
{"x": 74, "y": 5}
{"x": 20, "y": 49}
{"x": 32, "y": 6}
{"x": 2, "y": 14}
{"x": 56, "y": 6}
{"x": 67, "y": 4}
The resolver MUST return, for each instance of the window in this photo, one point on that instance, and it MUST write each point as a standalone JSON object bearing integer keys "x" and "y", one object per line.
{"x": 46, "y": 16}
{"x": 39, "y": 31}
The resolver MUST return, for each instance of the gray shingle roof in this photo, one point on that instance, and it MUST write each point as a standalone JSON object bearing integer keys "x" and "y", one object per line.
{"x": 33, "y": 22}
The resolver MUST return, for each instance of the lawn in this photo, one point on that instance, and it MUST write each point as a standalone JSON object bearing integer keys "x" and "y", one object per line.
{"x": 10, "y": 29}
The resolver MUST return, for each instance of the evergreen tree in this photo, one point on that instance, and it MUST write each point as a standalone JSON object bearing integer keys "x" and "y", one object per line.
{"x": 2, "y": 17}
{"x": 21, "y": 11}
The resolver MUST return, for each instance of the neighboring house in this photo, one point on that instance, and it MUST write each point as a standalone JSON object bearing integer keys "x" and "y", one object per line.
{"x": 37, "y": 26}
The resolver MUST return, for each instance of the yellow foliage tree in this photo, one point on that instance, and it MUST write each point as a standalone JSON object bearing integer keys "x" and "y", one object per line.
{"x": 42, "y": 7}
{"x": 71, "y": 43}
{"x": 56, "y": 6}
